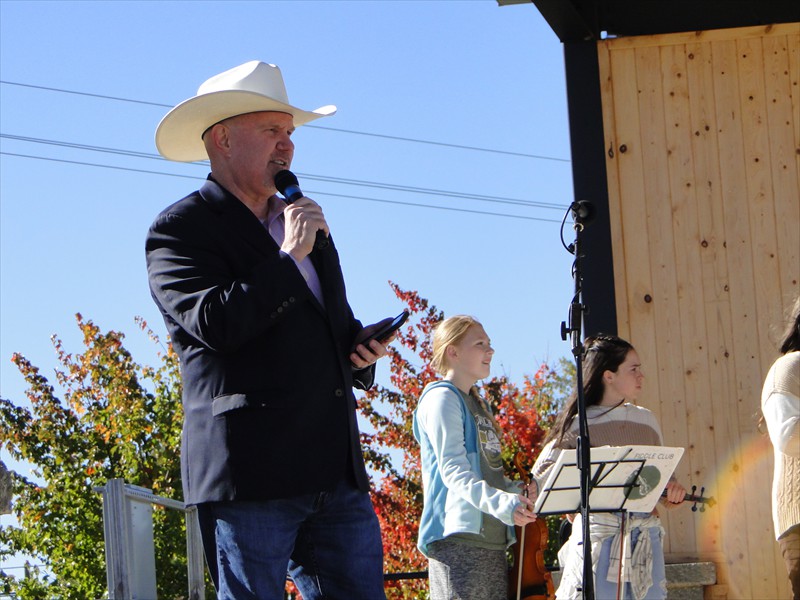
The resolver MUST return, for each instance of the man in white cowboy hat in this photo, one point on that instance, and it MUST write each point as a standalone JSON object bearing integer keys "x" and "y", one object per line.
{"x": 258, "y": 314}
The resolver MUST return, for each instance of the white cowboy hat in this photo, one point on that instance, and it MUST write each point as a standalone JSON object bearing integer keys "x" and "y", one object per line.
{"x": 252, "y": 87}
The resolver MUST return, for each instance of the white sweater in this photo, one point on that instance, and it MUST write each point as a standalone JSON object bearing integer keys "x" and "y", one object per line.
{"x": 780, "y": 403}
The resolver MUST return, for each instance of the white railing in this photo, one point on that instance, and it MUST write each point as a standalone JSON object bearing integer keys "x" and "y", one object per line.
{"x": 130, "y": 550}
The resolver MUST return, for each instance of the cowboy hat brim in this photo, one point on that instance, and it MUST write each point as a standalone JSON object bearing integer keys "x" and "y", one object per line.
{"x": 179, "y": 135}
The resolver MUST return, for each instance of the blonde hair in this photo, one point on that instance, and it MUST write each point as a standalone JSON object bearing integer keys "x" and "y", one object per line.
{"x": 449, "y": 333}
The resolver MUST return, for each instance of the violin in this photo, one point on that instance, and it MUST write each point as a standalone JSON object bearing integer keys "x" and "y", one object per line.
{"x": 528, "y": 578}
{"x": 699, "y": 498}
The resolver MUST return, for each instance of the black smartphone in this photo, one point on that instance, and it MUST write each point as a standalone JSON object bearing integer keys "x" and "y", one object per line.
{"x": 388, "y": 329}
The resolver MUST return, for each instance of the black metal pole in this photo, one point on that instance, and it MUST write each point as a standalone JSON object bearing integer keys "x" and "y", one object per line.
{"x": 582, "y": 212}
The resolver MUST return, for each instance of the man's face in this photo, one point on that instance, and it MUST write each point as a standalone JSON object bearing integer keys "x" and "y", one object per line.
{"x": 260, "y": 146}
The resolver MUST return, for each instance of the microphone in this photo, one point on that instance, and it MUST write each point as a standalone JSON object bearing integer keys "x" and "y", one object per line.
{"x": 289, "y": 187}
{"x": 582, "y": 211}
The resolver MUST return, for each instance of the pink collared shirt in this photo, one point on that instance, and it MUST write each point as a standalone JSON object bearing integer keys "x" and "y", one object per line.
{"x": 275, "y": 225}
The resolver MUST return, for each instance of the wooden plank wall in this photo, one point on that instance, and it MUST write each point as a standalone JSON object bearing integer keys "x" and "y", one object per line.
{"x": 702, "y": 138}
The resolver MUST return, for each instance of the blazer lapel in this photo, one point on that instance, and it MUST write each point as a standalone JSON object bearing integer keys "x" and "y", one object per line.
{"x": 237, "y": 218}
{"x": 241, "y": 222}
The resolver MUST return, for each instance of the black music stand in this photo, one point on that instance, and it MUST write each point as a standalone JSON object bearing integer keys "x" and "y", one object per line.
{"x": 629, "y": 478}
{"x": 623, "y": 479}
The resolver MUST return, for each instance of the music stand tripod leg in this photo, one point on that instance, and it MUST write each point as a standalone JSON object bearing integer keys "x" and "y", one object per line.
{"x": 622, "y": 540}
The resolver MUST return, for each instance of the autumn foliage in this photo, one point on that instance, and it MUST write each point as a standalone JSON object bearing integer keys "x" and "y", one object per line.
{"x": 115, "y": 419}
{"x": 118, "y": 419}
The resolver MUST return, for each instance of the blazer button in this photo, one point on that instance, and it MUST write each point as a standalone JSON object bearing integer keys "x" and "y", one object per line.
{"x": 338, "y": 393}
{"x": 280, "y": 309}
{"x": 285, "y": 303}
{"x": 274, "y": 315}
{"x": 291, "y": 298}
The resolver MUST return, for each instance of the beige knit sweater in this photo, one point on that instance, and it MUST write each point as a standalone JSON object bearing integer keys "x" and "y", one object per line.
{"x": 780, "y": 403}
{"x": 623, "y": 425}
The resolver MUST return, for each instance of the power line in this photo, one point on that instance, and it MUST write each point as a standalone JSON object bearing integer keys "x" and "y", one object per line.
{"x": 418, "y": 205}
{"x": 349, "y": 131}
{"x": 62, "y": 91}
{"x": 322, "y": 178}
{"x": 444, "y": 144}
{"x": 25, "y": 566}
{"x": 328, "y": 179}
{"x": 435, "y": 192}
{"x": 74, "y": 145}
{"x": 88, "y": 164}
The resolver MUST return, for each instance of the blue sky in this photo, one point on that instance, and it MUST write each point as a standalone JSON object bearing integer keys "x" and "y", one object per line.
{"x": 484, "y": 83}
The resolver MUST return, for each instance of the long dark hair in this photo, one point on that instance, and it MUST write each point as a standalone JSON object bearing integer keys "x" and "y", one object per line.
{"x": 601, "y": 353}
{"x": 791, "y": 337}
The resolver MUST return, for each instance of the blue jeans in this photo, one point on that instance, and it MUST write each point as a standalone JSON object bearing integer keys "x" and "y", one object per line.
{"x": 329, "y": 543}
{"x": 607, "y": 589}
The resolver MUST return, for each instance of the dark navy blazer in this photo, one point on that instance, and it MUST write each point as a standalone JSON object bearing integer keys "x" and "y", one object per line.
{"x": 269, "y": 410}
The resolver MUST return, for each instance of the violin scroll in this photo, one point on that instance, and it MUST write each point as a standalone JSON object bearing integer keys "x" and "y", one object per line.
{"x": 703, "y": 501}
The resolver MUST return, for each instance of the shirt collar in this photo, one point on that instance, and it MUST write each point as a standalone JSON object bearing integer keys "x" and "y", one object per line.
{"x": 275, "y": 208}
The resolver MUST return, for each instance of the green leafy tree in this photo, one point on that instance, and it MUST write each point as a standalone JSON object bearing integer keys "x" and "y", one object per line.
{"x": 114, "y": 419}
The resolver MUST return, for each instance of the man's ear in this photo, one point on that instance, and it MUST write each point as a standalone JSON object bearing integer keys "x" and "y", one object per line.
{"x": 219, "y": 137}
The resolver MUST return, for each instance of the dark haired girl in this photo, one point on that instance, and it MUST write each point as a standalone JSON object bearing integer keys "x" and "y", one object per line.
{"x": 612, "y": 383}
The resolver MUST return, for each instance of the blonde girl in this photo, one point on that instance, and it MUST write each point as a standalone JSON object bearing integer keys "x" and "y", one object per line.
{"x": 469, "y": 506}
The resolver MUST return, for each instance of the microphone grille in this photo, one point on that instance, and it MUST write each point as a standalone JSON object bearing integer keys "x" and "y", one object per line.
{"x": 285, "y": 178}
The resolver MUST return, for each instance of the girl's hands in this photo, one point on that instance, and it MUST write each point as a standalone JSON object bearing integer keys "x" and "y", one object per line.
{"x": 524, "y": 514}
{"x": 675, "y": 492}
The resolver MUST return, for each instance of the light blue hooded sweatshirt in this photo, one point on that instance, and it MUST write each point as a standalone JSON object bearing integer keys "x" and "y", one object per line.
{"x": 455, "y": 494}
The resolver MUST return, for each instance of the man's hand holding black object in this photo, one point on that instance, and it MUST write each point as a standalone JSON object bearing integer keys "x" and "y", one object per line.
{"x": 366, "y": 354}
{"x": 304, "y": 218}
